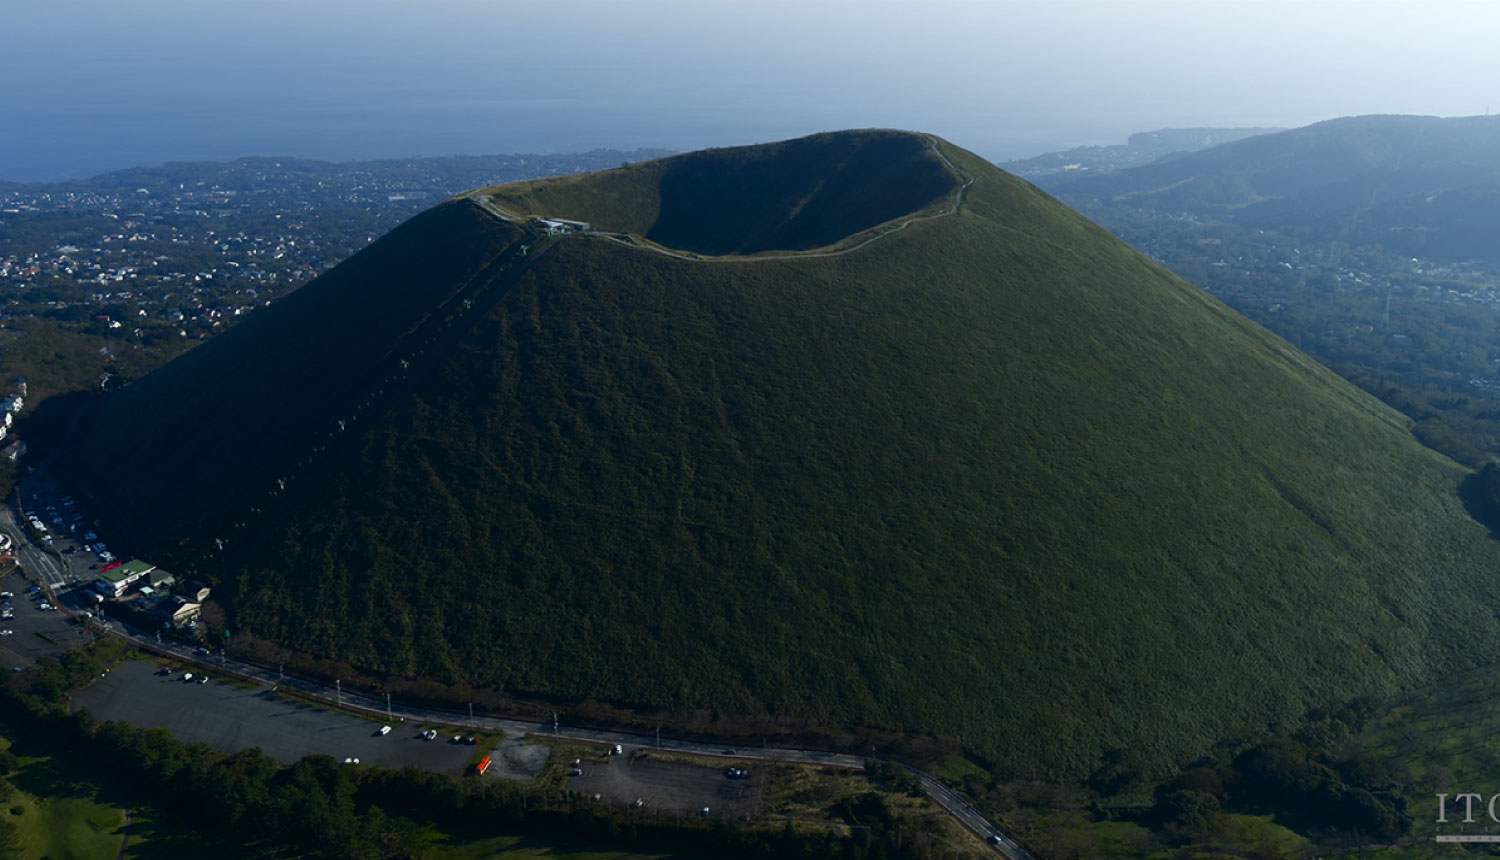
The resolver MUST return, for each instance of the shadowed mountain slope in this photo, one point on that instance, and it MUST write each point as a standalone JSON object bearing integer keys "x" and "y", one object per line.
{"x": 994, "y": 476}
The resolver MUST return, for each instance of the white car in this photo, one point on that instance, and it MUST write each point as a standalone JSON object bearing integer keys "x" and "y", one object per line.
{"x": 7, "y": 632}
{"x": 385, "y": 730}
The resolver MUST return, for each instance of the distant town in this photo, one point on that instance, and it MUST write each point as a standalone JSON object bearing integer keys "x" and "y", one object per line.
{"x": 184, "y": 250}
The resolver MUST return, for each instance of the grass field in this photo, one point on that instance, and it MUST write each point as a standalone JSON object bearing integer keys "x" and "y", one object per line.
{"x": 67, "y": 827}
{"x": 65, "y": 809}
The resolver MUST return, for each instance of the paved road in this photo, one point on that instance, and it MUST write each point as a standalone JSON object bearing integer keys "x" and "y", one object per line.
{"x": 42, "y": 563}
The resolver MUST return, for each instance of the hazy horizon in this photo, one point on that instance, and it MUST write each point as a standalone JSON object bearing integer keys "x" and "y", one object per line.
{"x": 99, "y": 85}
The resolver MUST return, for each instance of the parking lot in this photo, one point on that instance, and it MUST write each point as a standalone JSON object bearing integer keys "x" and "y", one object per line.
{"x": 666, "y": 786}
{"x": 70, "y": 555}
{"x": 230, "y": 718}
{"x": 33, "y": 632}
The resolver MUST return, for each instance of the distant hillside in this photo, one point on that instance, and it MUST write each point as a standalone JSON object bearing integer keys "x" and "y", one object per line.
{"x": 994, "y": 476}
{"x": 1366, "y": 241}
{"x": 1140, "y": 148}
{"x": 1355, "y": 179}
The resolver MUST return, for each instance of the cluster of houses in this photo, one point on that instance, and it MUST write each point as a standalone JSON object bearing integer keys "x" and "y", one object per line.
{"x": 153, "y": 591}
{"x": 10, "y": 407}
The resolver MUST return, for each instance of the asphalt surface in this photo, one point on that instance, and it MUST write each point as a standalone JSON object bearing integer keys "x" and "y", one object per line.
{"x": 230, "y": 718}
{"x": 663, "y": 786}
{"x": 34, "y": 633}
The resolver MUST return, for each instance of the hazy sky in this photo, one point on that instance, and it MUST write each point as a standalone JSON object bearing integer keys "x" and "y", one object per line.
{"x": 87, "y": 85}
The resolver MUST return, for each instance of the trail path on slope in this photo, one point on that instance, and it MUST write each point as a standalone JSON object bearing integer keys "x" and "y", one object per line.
{"x": 489, "y": 205}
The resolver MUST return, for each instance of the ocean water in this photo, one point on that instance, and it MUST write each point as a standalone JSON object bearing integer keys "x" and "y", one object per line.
{"x": 89, "y": 85}
{"x": 75, "y": 137}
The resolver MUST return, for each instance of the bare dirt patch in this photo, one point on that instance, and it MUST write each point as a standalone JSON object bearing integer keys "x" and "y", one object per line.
{"x": 519, "y": 760}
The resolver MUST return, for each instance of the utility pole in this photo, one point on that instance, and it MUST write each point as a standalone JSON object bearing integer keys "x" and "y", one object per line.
{"x": 338, "y": 688}
{"x": 388, "y": 706}
{"x": 280, "y": 674}
{"x": 658, "y": 736}
{"x": 471, "y": 712}
{"x": 555, "y": 729}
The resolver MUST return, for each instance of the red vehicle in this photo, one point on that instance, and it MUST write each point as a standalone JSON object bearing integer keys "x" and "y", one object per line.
{"x": 484, "y": 765}
{"x": 110, "y": 566}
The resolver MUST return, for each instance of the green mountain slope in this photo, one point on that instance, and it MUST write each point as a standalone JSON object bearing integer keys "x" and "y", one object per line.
{"x": 994, "y": 476}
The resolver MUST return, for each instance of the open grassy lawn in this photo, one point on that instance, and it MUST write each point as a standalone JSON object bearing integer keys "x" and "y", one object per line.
{"x": 67, "y": 827}
{"x": 64, "y": 809}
